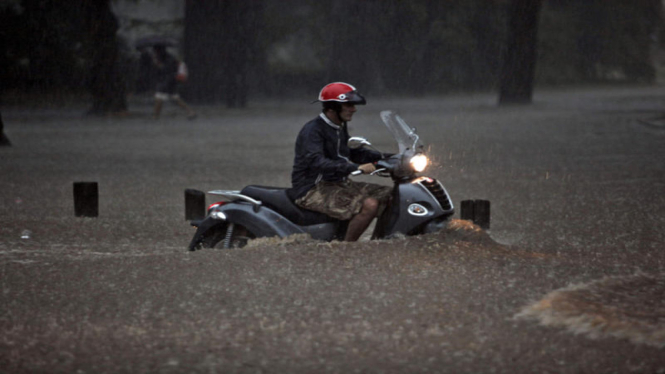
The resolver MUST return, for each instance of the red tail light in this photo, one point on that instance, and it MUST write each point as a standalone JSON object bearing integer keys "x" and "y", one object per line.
{"x": 215, "y": 205}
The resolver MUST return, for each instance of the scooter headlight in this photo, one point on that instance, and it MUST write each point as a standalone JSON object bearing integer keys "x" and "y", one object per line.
{"x": 419, "y": 162}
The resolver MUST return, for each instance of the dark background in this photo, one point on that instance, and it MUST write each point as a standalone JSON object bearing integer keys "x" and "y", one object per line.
{"x": 383, "y": 47}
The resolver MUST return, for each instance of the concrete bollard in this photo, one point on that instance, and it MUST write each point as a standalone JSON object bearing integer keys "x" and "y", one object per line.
{"x": 481, "y": 213}
{"x": 86, "y": 199}
{"x": 477, "y": 211}
{"x": 466, "y": 212}
{"x": 195, "y": 204}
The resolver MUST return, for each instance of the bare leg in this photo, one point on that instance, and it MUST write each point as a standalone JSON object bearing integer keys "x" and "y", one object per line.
{"x": 181, "y": 103}
{"x": 361, "y": 221}
{"x": 158, "y": 108}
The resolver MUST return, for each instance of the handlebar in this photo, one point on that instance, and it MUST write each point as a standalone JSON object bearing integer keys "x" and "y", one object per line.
{"x": 358, "y": 172}
{"x": 381, "y": 166}
{"x": 384, "y": 164}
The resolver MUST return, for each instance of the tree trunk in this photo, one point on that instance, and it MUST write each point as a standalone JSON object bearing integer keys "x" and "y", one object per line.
{"x": 221, "y": 49}
{"x": 241, "y": 47}
{"x": 519, "y": 59}
{"x": 203, "y": 51}
{"x": 105, "y": 82}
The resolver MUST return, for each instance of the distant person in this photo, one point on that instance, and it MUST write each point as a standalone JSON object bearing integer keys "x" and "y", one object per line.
{"x": 167, "y": 85}
{"x": 145, "y": 81}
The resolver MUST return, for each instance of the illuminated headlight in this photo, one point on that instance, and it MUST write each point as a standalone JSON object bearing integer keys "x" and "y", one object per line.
{"x": 419, "y": 162}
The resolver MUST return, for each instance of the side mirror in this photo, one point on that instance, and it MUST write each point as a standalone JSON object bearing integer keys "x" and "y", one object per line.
{"x": 356, "y": 142}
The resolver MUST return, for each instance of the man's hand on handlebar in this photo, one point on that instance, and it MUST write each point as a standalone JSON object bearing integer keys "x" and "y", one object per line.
{"x": 367, "y": 168}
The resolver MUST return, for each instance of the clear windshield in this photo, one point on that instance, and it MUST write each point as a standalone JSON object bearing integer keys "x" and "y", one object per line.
{"x": 407, "y": 140}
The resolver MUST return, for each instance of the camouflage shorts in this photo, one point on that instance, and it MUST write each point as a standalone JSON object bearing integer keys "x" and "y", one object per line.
{"x": 343, "y": 200}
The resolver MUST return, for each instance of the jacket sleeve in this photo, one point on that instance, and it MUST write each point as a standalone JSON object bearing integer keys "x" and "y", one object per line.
{"x": 314, "y": 144}
{"x": 364, "y": 155}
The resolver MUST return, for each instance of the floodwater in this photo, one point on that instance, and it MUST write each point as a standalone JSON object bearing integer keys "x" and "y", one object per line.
{"x": 576, "y": 184}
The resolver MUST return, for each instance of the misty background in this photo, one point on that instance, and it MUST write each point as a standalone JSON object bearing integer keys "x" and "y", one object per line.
{"x": 237, "y": 51}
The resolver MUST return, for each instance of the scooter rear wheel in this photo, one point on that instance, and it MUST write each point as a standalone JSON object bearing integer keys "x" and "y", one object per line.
{"x": 229, "y": 236}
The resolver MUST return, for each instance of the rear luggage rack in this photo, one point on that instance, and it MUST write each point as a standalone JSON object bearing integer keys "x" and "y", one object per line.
{"x": 234, "y": 195}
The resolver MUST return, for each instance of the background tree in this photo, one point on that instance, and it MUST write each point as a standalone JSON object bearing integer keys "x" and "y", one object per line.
{"x": 519, "y": 59}
{"x": 40, "y": 41}
{"x": 598, "y": 41}
{"x": 203, "y": 50}
{"x": 221, "y": 49}
{"x": 59, "y": 46}
{"x": 351, "y": 40}
{"x": 106, "y": 83}
{"x": 254, "y": 47}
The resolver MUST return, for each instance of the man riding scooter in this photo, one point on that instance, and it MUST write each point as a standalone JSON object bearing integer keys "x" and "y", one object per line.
{"x": 323, "y": 162}
{"x": 322, "y": 202}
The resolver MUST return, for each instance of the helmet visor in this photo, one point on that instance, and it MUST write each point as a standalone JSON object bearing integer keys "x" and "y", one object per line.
{"x": 353, "y": 97}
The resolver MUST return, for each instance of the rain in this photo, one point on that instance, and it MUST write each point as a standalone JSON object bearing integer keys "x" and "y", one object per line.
{"x": 568, "y": 278}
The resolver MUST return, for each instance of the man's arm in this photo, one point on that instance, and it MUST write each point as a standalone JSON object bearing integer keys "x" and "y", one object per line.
{"x": 364, "y": 155}
{"x": 313, "y": 143}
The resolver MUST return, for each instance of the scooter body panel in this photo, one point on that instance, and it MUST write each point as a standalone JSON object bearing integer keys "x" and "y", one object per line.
{"x": 416, "y": 202}
{"x": 262, "y": 222}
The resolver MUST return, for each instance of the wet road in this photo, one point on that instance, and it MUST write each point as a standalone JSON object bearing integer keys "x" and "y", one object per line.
{"x": 575, "y": 182}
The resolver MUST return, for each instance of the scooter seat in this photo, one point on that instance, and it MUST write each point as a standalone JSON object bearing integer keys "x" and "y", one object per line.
{"x": 276, "y": 199}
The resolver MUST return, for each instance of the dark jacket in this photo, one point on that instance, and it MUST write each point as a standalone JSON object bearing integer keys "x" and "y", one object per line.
{"x": 166, "y": 72}
{"x": 322, "y": 154}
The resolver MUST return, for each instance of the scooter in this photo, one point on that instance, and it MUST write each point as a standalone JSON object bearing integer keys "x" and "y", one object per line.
{"x": 419, "y": 204}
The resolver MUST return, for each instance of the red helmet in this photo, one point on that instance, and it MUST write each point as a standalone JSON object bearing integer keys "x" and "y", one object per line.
{"x": 342, "y": 93}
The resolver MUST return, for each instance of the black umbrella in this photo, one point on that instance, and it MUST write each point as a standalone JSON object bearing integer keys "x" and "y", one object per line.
{"x": 155, "y": 40}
